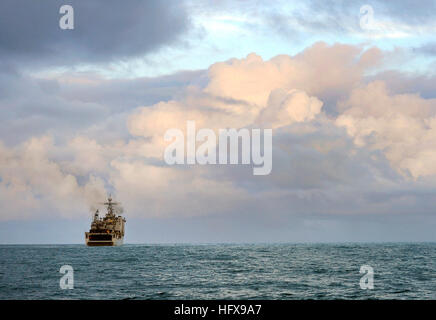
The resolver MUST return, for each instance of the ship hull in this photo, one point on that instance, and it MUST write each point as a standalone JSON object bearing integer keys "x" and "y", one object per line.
{"x": 99, "y": 242}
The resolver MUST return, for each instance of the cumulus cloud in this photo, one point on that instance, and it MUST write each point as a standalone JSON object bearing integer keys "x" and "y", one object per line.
{"x": 285, "y": 108}
{"x": 156, "y": 191}
{"x": 241, "y": 92}
{"x": 32, "y": 185}
{"x": 69, "y": 102}
{"x": 402, "y": 126}
{"x": 338, "y": 142}
{"x": 253, "y": 79}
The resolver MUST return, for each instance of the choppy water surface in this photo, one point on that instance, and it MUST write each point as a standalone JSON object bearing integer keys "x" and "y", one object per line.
{"x": 279, "y": 271}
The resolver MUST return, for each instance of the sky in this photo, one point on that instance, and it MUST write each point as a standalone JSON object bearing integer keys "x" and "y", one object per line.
{"x": 348, "y": 88}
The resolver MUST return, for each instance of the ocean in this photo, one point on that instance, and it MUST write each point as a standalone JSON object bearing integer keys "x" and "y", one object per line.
{"x": 219, "y": 271}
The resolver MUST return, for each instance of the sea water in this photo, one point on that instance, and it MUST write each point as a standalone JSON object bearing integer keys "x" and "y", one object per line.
{"x": 219, "y": 271}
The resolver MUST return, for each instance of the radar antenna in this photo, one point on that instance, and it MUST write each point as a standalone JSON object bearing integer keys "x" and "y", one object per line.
{"x": 110, "y": 205}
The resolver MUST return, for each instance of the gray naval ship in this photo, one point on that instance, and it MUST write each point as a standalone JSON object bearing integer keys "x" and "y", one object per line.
{"x": 109, "y": 230}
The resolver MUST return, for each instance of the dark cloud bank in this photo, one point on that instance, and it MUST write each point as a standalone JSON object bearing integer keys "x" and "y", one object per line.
{"x": 104, "y": 30}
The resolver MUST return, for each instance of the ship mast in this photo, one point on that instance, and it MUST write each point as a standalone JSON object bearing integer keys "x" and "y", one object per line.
{"x": 110, "y": 205}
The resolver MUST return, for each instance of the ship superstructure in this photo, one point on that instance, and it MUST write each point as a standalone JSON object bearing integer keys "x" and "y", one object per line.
{"x": 109, "y": 230}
